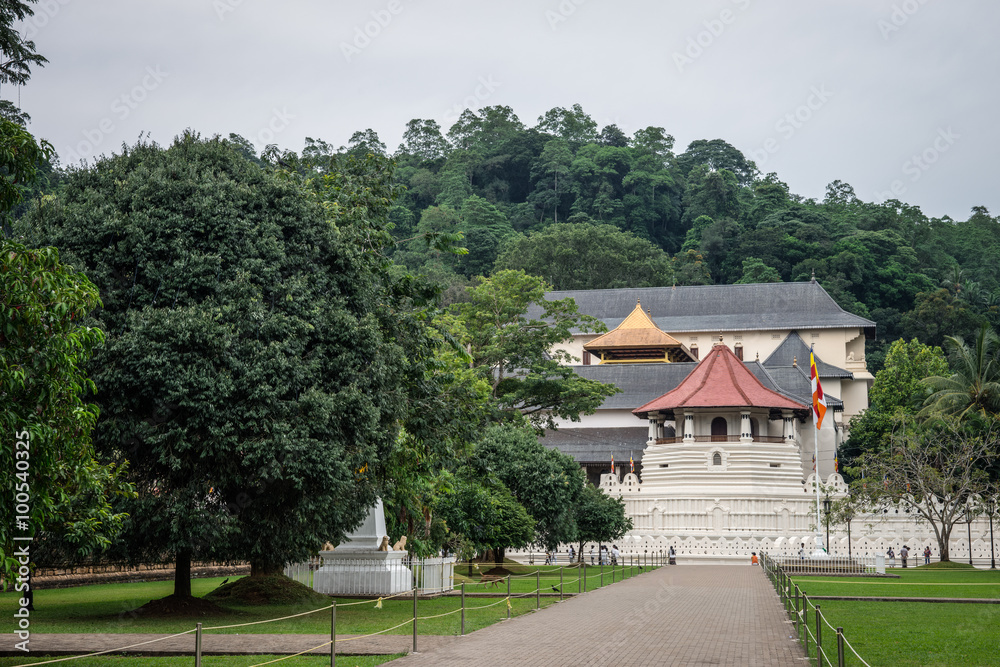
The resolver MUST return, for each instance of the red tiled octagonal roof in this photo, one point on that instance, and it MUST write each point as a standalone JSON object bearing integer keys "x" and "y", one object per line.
{"x": 720, "y": 380}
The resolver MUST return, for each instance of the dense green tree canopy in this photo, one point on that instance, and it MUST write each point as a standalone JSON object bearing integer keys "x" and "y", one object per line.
{"x": 588, "y": 256}
{"x": 548, "y": 483}
{"x": 899, "y": 390}
{"x": 974, "y": 387}
{"x": 516, "y": 353}
{"x": 600, "y": 517}
{"x": 44, "y": 346}
{"x": 248, "y": 374}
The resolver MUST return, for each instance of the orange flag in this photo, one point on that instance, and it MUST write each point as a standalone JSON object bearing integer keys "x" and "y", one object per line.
{"x": 819, "y": 399}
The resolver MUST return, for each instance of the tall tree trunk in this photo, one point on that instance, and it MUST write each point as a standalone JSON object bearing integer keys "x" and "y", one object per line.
{"x": 182, "y": 574}
{"x": 260, "y": 569}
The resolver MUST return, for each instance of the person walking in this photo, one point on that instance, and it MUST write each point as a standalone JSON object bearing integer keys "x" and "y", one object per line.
{"x": 591, "y": 555}
{"x": 672, "y": 556}
{"x": 903, "y": 554}
{"x": 927, "y": 555}
{"x": 802, "y": 551}
{"x": 891, "y": 557}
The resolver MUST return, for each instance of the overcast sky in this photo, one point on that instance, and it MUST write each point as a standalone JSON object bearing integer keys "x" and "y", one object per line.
{"x": 883, "y": 94}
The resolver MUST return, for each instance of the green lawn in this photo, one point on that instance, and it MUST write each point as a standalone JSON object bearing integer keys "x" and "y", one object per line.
{"x": 901, "y": 634}
{"x": 913, "y": 582}
{"x": 108, "y": 608}
{"x": 914, "y": 634}
{"x": 210, "y": 661}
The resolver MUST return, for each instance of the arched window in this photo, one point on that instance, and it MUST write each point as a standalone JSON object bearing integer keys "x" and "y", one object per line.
{"x": 717, "y": 459}
{"x": 719, "y": 429}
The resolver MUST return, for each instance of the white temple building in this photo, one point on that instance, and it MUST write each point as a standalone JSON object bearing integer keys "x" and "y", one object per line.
{"x": 713, "y": 448}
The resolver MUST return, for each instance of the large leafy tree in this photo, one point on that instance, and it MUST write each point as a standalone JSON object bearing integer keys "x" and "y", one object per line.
{"x": 937, "y": 470}
{"x": 52, "y": 470}
{"x": 485, "y": 515}
{"x": 17, "y": 54}
{"x": 548, "y": 483}
{"x": 516, "y": 353}
{"x": 249, "y": 375}
{"x": 898, "y": 389}
{"x": 599, "y": 517}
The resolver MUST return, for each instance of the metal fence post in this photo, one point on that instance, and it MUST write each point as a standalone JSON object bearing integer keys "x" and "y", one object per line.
{"x": 197, "y": 646}
{"x": 538, "y": 589}
{"x": 581, "y": 581}
{"x": 819, "y": 637}
{"x": 602, "y": 573}
{"x": 414, "y": 617}
{"x": 333, "y": 634}
{"x": 463, "y": 608}
{"x": 508, "y": 596}
{"x": 560, "y": 584}
{"x": 798, "y": 619}
{"x": 840, "y": 647}
{"x": 805, "y": 621}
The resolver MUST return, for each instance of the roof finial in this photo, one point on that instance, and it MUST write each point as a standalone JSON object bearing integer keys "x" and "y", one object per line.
{"x": 813, "y": 278}
{"x": 795, "y": 362}
{"x": 758, "y": 355}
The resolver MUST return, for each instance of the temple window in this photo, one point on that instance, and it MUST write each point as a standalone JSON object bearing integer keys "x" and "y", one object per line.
{"x": 720, "y": 429}
{"x": 717, "y": 459}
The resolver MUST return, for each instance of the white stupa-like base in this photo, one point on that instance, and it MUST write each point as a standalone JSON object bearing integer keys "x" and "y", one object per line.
{"x": 363, "y": 573}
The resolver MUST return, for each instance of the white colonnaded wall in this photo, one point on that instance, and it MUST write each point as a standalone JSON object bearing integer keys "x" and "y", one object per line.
{"x": 721, "y": 527}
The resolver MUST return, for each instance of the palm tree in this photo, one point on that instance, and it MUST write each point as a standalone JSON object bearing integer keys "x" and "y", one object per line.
{"x": 975, "y": 384}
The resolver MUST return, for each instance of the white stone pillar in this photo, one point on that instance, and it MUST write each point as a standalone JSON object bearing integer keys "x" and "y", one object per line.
{"x": 745, "y": 434}
{"x": 688, "y": 427}
{"x": 652, "y": 429}
{"x": 788, "y": 431}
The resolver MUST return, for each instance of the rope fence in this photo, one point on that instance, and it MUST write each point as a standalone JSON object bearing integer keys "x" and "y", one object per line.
{"x": 798, "y": 606}
{"x": 617, "y": 572}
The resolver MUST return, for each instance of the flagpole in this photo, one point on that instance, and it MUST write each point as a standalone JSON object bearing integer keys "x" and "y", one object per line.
{"x": 819, "y": 535}
{"x": 818, "y": 411}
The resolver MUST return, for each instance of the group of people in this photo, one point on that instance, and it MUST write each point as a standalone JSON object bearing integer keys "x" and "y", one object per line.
{"x": 904, "y": 554}
{"x": 607, "y": 557}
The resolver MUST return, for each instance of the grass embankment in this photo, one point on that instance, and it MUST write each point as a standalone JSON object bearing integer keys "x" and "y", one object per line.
{"x": 919, "y": 582}
{"x": 904, "y": 634}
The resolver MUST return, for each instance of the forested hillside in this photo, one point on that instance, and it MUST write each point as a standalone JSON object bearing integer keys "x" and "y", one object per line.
{"x": 590, "y": 207}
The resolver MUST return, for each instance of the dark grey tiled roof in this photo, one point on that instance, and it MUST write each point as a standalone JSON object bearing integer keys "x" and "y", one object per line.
{"x": 793, "y": 349}
{"x": 712, "y": 308}
{"x": 592, "y": 445}
{"x": 640, "y": 383}
{"x": 795, "y": 383}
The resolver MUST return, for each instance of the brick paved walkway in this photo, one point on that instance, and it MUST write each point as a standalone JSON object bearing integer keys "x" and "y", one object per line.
{"x": 683, "y": 615}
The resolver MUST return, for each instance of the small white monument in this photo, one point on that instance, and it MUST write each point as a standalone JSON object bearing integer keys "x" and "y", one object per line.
{"x": 358, "y": 567}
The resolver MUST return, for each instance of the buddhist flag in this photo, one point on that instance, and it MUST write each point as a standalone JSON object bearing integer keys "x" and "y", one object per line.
{"x": 836, "y": 463}
{"x": 612, "y": 463}
{"x": 631, "y": 463}
{"x": 819, "y": 399}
